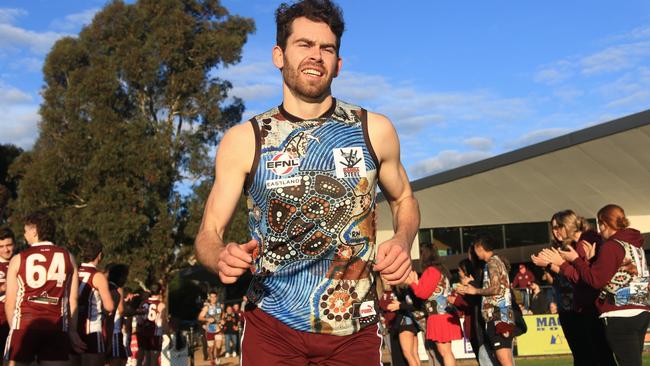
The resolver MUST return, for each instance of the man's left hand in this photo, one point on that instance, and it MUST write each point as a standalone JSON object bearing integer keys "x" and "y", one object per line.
{"x": 393, "y": 261}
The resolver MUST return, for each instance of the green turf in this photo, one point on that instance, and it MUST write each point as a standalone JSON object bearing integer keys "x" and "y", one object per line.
{"x": 559, "y": 361}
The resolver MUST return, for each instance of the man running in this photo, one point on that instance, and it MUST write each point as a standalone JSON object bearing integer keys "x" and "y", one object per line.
{"x": 310, "y": 168}
{"x": 211, "y": 316}
{"x": 6, "y": 252}
{"x": 150, "y": 328}
{"x": 94, "y": 299}
{"x": 41, "y": 296}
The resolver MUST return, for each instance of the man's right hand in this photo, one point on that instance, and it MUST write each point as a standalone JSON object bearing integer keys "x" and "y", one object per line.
{"x": 234, "y": 260}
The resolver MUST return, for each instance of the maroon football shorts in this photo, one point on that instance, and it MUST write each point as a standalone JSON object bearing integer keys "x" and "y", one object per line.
{"x": 25, "y": 345}
{"x": 267, "y": 341}
{"x": 149, "y": 342}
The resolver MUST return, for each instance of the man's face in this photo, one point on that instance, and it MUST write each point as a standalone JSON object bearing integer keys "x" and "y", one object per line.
{"x": 6, "y": 248}
{"x": 310, "y": 60}
{"x": 31, "y": 235}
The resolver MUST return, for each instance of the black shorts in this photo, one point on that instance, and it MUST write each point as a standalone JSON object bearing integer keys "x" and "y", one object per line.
{"x": 496, "y": 340}
{"x": 407, "y": 325}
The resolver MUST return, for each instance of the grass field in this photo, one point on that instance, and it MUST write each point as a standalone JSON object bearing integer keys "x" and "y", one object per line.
{"x": 560, "y": 361}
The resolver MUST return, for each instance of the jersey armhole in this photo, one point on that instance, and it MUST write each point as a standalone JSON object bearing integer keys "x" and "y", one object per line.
{"x": 250, "y": 177}
{"x": 366, "y": 137}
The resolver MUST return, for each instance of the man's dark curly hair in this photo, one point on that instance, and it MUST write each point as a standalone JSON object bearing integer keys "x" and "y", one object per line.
{"x": 6, "y": 233}
{"x": 45, "y": 225}
{"x": 315, "y": 10}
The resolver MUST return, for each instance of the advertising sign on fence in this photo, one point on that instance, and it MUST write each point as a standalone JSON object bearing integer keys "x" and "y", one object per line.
{"x": 544, "y": 336}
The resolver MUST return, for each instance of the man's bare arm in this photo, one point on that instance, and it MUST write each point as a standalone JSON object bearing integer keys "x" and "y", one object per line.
{"x": 100, "y": 282}
{"x": 495, "y": 285}
{"x": 234, "y": 159}
{"x": 397, "y": 190}
{"x": 12, "y": 288}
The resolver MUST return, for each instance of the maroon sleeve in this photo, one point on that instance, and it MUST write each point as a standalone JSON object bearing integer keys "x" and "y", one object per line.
{"x": 570, "y": 272}
{"x": 601, "y": 271}
{"x": 460, "y": 301}
{"x": 567, "y": 269}
{"x": 515, "y": 281}
{"x": 427, "y": 283}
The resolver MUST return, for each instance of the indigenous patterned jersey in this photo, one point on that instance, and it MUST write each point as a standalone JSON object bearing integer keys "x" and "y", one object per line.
{"x": 214, "y": 312}
{"x": 437, "y": 302}
{"x": 43, "y": 288}
{"x": 629, "y": 285}
{"x": 90, "y": 303}
{"x": 150, "y": 321}
{"x": 4, "y": 264}
{"x": 498, "y": 307}
{"x": 311, "y": 201}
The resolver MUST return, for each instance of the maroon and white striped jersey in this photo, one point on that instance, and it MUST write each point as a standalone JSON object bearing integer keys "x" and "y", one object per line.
{"x": 44, "y": 279}
{"x": 90, "y": 302}
{"x": 150, "y": 320}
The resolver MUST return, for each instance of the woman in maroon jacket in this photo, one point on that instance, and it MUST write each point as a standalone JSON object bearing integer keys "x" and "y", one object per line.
{"x": 575, "y": 298}
{"x": 620, "y": 272}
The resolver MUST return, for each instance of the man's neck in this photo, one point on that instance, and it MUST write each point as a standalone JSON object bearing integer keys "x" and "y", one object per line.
{"x": 306, "y": 109}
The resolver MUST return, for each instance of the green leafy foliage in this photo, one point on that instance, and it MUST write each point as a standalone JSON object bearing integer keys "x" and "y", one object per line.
{"x": 130, "y": 113}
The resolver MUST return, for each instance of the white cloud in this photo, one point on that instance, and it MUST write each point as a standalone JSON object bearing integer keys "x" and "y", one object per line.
{"x": 19, "y": 125}
{"x": 12, "y": 37}
{"x": 536, "y": 136}
{"x": 445, "y": 160}
{"x": 554, "y": 73}
{"x": 10, "y": 95}
{"x": 615, "y": 58}
{"x": 19, "y": 117}
{"x": 568, "y": 94}
{"x": 256, "y": 91}
{"x": 411, "y": 109}
{"x": 8, "y": 15}
{"x": 479, "y": 143}
{"x": 73, "y": 22}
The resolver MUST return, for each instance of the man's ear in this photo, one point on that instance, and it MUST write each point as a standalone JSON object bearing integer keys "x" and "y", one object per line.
{"x": 339, "y": 64}
{"x": 278, "y": 57}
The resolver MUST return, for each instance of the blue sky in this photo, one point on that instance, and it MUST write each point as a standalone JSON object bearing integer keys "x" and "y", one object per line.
{"x": 460, "y": 80}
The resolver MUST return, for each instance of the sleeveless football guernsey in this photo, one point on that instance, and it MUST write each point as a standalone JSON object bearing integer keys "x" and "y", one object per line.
{"x": 90, "y": 303}
{"x": 43, "y": 279}
{"x": 311, "y": 203}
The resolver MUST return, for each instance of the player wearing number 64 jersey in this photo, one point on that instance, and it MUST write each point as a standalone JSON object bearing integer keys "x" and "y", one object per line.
{"x": 41, "y": 299}
{"x": 150, "y": 328}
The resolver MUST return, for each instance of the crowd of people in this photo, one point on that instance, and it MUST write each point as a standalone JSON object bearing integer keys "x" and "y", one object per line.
{"x": 57, "y": 312}
{"x": 597, "y": 284}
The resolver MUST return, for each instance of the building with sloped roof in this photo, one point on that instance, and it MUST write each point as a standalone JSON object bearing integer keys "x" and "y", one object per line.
{"x": 513, "y": 195}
